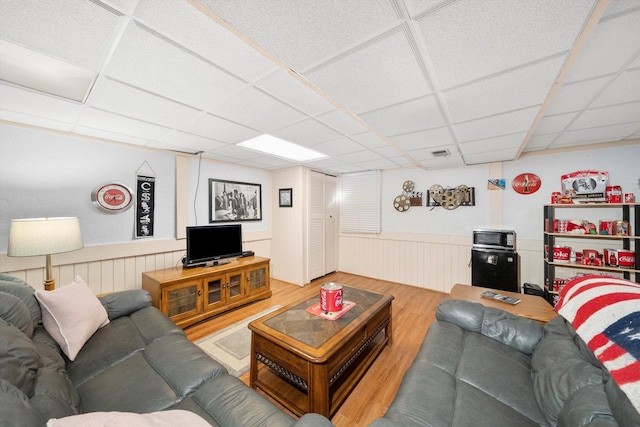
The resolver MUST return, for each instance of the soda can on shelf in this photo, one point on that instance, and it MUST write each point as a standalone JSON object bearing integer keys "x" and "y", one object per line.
{"x": 626, "y": 258}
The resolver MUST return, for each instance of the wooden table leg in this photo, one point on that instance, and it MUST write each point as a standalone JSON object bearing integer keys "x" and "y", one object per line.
{"x": 318, "y": 391}
{"x": 253, "y": 370}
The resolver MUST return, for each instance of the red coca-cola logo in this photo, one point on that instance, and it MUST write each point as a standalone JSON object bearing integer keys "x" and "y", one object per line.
{"x": 627, "y": 258}
{"x": 561, "y": 254}
{"x": 526, "y": 183}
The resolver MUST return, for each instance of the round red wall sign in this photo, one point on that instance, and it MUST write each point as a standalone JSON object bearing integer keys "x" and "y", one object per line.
{"x": 526, "y": 183}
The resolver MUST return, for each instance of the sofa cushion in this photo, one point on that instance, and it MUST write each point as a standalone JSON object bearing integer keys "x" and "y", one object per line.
{"x": 15, "y": 312}
{"x": 117, "y": 419}
{"x": 20, "y": 289}
{"x": 19, "y": 359}
{"x": 71, "y": 314}
{"x": 15, "y": 408}
{"x": 123, "y": 303}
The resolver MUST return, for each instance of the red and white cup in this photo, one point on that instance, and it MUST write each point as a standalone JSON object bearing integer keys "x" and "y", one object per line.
{"x": 561, "y": 254}
{"x": 330, "y": 297}
{"x": 626, "y": 258}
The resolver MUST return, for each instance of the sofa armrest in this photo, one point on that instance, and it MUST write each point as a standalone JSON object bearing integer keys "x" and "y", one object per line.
{"x": 517, "y": 332}
{"x": 312, "y": 420}
{"x": 123, "y": 303}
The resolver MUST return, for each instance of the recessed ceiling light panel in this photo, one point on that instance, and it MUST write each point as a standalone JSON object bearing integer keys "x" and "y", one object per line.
{"x": 44, "y": 73}
{"x": 278, "y": 147}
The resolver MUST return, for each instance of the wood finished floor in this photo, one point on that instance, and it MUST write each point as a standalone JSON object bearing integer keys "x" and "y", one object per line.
{"x": 413, "y": 309}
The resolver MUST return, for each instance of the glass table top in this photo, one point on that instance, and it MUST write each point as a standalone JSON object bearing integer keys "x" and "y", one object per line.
{"x": 313, "y": 330}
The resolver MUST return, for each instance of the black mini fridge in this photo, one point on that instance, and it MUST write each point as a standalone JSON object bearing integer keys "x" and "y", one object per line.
{"x": 495, "y": 268}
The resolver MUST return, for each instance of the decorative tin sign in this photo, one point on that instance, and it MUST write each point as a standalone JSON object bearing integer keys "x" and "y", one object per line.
{"x": 526, "y": 183}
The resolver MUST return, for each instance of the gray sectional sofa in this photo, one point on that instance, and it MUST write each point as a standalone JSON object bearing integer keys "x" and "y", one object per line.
{"x": 480, "y": 366}
{"x": 140, "y": 362}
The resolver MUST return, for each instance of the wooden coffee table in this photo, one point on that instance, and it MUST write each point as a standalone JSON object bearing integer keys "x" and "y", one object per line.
{"x": 311, "y": 364}
{"x": 531, "y": 306}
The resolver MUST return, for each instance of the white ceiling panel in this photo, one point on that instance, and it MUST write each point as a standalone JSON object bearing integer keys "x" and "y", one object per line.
{"x": 308, "y": 133}
{"x": 108, "y": 95}
{"x": 341, "y": 122}
{"x": 625, "y": 88}
{"x": 385, "y": 72}
{"x": 301, "y": 33}
{"x": 187, "y": 142}
{"x": 257, "y": 110}
{"x": 596, "y": 135}
{"x": 576, "y": 96}
{"x": 33, "y": 103}
{"x": 614, "y": 43}
{"x": 423, "y": 139}
{"x": 121, "y": 125}
{"x": 217, "y": 128}
{"x": 612, "y": 115}
{"x": 360, "y": 80}
{"x": 287, "y": 88}
{"x": 339, "y": 147}
{"x": 502, "y": 124}
{"x": 191, "y": 28}
{"x": 467, "y": 40}
{"x": 410, "y": 116}
{"x": 77, "y": 31}
{"x": 554, "y": 124}
{"x": 184, "y": 77}
{"x": 520, "y": 88}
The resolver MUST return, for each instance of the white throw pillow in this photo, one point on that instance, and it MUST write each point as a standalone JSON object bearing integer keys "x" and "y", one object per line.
{"x": 170, "y": 418}
{"x": 72, "y": 314}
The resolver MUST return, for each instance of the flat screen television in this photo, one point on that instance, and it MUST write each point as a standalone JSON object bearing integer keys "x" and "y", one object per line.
{"x": 213, "y": 243}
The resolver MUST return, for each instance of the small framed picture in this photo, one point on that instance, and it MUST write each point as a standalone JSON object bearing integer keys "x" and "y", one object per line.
{"x": 286, "y": 197}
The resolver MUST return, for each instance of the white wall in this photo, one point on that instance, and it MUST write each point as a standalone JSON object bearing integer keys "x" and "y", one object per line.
{"x": 431, "y": 248}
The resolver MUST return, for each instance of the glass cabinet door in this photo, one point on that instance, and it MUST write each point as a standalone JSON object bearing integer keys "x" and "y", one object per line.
{"x": 257, "y": 279}
{"x": 234, "y": 285}
{"x": 183, "y": 300}
{"x": 214, "y": 291}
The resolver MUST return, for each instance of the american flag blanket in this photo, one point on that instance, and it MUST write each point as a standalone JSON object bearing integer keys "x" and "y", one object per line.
{"x": 605, "y": 312}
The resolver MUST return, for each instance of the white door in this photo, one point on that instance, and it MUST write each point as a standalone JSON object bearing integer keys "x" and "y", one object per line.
{"x": 322, "y": 225}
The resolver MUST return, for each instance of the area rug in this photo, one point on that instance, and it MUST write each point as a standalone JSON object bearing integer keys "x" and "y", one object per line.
{"x": 232, "y": 345}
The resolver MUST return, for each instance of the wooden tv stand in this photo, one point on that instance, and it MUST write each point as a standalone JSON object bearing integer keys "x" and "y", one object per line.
{"x": 191, "y": 295}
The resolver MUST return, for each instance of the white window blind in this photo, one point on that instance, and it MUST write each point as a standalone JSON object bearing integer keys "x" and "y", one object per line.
{"x": 360, "y": 202}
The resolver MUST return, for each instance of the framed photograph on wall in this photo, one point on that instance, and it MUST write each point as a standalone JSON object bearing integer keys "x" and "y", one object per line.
{"x": 234, "y": 201}
{"x": 286, "y": 197}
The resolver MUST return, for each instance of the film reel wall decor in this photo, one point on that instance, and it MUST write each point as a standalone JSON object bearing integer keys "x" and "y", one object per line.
{"x": 451, "y": 198}
{"x": 408, "y": 198}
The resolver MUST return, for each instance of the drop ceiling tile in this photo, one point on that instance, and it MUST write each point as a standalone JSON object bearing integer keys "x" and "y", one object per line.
{"x": 347, "y": 168}
{"x": 554, "y": 124}
{"x": 377, "y": 164}
{"x": 109, "y": 95}
{"x": 619, "y": 6}
{"x": 418, "y": 7}
{"x": 576, "y": 96}
{"x": 292, "y": 91}
{"x": 502, "y": 124}
{"x": 267, "y": 162}
{"x": 596, "y": 135}
{"x": 303, "y": 33}
{"x": 427, "y": 153}
{"x": 388, "y": 151}
{"x": 327, "y": 163}
{"x": 423, "y": 139}
{"x": 613, "y": 43}
{"x": 197, "y": 32}
{"x": 382, "y": 73}
{"x": 217, "y": 128}
{"x": 149, "y": 62}
{"x": 27, "y": 119}
{"x": 340, "y": 121}
{"x": 470, "y": 40}
{"x": 490, "y": 156}
{"x": 235, "y": 152}
{"x": 77, "y": 31}
{"x": 540, "y": 142}
{"x": 339, "y": 147}
{"x": 443, "y": 162}
{"x": 258, "y": 110}
{"x": 369, "y": 140}
{"x": 187, "y": 142}
{"x": 612, "y": 115}
{"x": 109, "y": 135}
{"x": 105, "y": 121}
{"x": 520, "y": 88}
{"x": 403, "y": 161}
{"x": 418, "y": 114}
{"x": 32, "y": 103}
{"x": 625, "y": 88}
{"x": 308, "y": 133}
{"x": 359, "y": 157}
{"x": 500, "y": 143}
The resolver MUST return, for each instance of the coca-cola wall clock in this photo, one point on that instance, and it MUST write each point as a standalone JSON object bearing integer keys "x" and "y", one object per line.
{"x": 526, "y": 183}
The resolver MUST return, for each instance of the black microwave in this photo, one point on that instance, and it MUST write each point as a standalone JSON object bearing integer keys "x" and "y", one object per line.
{"x": 494, "y": 239}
